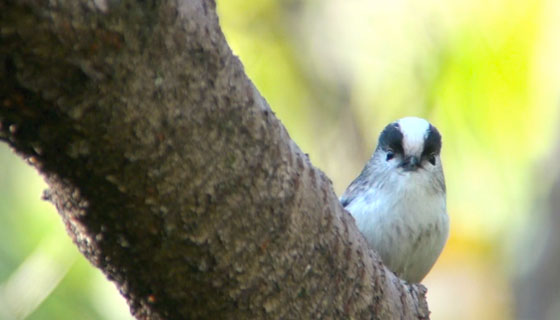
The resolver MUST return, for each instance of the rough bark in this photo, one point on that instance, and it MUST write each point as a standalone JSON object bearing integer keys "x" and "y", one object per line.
{"x": 171, "y": 173}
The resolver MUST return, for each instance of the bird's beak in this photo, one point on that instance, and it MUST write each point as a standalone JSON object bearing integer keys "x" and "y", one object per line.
{"x": 410, "y": 163}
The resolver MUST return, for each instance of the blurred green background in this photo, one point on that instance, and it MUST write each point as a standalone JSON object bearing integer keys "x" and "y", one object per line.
{"x": 487, "y": 74}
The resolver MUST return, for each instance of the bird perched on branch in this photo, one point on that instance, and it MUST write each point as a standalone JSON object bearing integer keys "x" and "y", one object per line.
{"x": 398, "y": 201}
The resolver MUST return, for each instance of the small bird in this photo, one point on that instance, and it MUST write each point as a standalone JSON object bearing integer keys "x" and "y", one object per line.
{"x": 398, "y": 201}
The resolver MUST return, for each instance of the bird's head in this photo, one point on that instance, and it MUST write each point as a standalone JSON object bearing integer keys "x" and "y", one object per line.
{"x": 410, "y": 147}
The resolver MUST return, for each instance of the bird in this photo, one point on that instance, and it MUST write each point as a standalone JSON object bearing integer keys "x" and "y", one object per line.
{"x": 399, "y": 199}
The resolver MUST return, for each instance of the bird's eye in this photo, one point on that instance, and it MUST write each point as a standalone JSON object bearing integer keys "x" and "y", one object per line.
{"x": 390, "y": 155}
{"x": 432, "y": 159}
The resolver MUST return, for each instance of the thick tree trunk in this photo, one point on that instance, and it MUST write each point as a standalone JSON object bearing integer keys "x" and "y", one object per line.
{"x": 171, "y": 172}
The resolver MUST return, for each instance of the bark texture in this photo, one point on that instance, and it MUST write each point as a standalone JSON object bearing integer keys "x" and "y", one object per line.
{"x": 171, "y": 173}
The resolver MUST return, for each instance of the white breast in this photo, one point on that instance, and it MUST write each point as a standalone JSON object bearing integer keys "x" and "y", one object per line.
{"x": 407, "y": 227}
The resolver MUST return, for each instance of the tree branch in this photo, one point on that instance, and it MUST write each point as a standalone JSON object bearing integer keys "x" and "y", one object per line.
{"x": 172, "y": 174}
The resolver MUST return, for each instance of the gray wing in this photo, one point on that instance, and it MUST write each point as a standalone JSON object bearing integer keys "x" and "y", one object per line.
{"x": 359, "y": 185}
